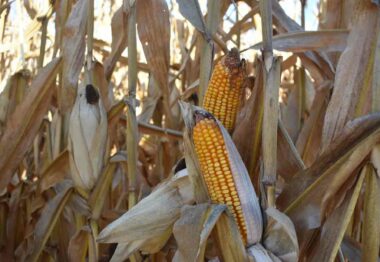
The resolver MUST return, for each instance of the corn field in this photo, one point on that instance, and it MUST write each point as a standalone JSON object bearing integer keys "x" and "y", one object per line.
{"x": 186, "y": 130}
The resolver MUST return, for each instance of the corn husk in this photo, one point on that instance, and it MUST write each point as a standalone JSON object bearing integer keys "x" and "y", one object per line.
{"x": 148, "y": 225}
{"x": 87, "y": 138}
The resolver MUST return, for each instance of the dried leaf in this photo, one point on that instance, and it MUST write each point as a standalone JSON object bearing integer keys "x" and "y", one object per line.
{"x": 47, "y": 221}
{"x": 302, "y": 41}
{"x": 289, "y": 161}
{"x": 350, "y": 74}
{"x": 154, "y": 33}
{"x": 335, "y": 226}
{"x": 149, "y": 102}
{"x": 78, "y": 244}
{"x": 309, "y": 140}
{"x": 191, "y": 10}
{"x": 309, "y": 192}
{"x": 319, "y": 65}
{"x": 56, "y": 171}
{"x": 73, "y": 47}
{"x": 99, "y": 78}
{"x": 19, "y": 135}
{"x": 99, "y": 193}
{"x": 119, "y": 26}
{"x": 371, "y": 218}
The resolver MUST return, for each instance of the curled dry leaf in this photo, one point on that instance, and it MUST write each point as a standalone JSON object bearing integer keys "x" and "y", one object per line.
{"x": 18, "y": 135}
{"x": 87, "y": 137}
{"x": 73, "y": 53}
{"x": 151, "y": 220}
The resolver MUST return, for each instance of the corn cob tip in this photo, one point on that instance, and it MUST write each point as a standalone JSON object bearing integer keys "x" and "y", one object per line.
{"x": 232, "y": 60}
{"x": 92, "y": 95}
{"x": 200, "y": 115}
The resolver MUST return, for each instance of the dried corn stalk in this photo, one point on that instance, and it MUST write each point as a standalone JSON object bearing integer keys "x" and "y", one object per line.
{"x": 87, "y": 137}
{"x": 224, "y": 92}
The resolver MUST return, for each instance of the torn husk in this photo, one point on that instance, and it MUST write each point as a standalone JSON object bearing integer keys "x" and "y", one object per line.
{"x": 245, "y": 206}
{"x": 87, "y": 137}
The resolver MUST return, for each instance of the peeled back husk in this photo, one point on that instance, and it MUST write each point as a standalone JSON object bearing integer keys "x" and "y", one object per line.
{"x": 87, "y": 137}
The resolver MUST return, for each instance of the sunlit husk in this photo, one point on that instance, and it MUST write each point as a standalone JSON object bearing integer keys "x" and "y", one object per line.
{"x": 87, "y": 140}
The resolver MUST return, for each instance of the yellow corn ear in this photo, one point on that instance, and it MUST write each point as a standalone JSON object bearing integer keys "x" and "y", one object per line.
{"x": 215, "y": 167}
{"x": 224, "y": 91}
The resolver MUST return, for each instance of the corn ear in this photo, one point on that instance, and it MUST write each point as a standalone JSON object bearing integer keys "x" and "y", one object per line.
{"x": 224, "y": 91}
{"x": 225, "y": 175}
{"x": 87, "y": 137}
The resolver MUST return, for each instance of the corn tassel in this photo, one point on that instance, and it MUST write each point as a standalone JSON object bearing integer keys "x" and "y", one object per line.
{"x": 224, "y": 92}
{"x": 225, "y": 176}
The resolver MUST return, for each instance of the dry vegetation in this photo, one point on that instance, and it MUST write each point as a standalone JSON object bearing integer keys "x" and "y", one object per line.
{"x": 103, "y": 152}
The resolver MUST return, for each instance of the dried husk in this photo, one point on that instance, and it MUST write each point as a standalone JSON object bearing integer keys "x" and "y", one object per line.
{"x": 148, "y": 225}
{"x": 87, "y": 139}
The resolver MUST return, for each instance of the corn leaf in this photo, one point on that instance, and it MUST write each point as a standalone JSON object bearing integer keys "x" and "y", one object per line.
{"x": 73, "y": 49}
{"x": 19, "y": 135}
{"x": 47, "y": 221}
